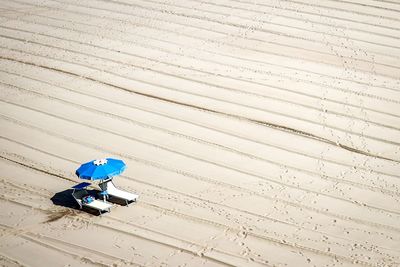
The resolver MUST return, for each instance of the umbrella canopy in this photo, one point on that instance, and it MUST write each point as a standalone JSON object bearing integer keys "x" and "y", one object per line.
{"x": 100, "y": 169}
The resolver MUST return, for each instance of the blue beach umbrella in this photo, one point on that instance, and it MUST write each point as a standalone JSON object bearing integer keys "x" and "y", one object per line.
{"x": 100, "y": 169}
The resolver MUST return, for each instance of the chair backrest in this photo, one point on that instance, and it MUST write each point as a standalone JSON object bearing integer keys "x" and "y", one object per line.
{"x": 111, "y": 187}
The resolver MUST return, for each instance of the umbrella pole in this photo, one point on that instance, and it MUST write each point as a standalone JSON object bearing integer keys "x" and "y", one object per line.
{"x": 104, "y": 195}
{"x": 103, "y": 192}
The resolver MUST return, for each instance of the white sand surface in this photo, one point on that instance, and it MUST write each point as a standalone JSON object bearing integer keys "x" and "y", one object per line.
{"x": 257, "y": 133}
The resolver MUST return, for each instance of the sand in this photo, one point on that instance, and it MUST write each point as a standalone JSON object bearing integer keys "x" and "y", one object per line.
{"x": 257, "y": 133}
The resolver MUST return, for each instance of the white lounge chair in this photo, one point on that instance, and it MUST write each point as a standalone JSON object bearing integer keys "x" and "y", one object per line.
{"x": 113, "y": 191}
{"x": 79, "y": 192}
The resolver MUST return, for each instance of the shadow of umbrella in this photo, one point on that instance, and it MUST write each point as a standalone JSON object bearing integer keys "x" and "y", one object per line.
{"x": 65, "y": 199}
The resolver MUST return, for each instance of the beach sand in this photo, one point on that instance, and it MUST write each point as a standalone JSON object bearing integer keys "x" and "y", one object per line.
{"x": 256, "y": 133}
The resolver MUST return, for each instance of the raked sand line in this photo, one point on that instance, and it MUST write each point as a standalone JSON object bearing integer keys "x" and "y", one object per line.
{"x": 270, "y": 124}
{"x": 89, "y": 32}
{"x": 147, "y": 110}
{"x": 212, "y": 180}
{"x": 256, "y": 134}
{"x": 265, "y": 123}
{"x": 384, "y": 70}
{"x": 227, "y": 89}
{"x": 136, "y": 33}
{"x": 191, "y": 122}
{"x": 284, "y": 243}
{"x": 191, "y": 138}
{"x": 379, "y": 55}
{"x": 266, "y": 98}
{"x": 223, "y": 165}
{"x": 230, "y": 44}
{"x": 131, "y": 137}
{"x": 20, "y": 160}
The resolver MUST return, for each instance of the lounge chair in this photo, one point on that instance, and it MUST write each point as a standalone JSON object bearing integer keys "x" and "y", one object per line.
{"x": 113, "y": 191}
{"x": 79, "y": 193}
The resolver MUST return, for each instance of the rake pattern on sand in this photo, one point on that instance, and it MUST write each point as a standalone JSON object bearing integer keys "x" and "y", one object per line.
{"x": 260, "y": 129}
